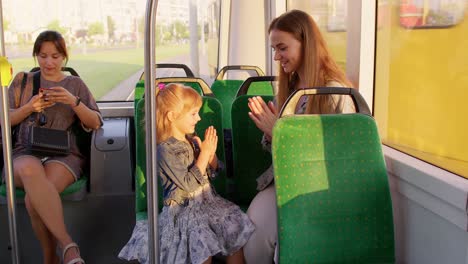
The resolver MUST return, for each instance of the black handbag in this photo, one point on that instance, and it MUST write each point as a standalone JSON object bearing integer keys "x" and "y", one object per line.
{"x": 47, "y": 141}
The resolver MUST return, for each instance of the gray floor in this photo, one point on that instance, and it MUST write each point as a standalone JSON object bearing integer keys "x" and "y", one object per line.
{"x": 101, "y": 225}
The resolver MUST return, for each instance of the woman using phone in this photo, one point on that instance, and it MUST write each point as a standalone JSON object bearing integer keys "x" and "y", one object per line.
{"x": 61, "y": 102}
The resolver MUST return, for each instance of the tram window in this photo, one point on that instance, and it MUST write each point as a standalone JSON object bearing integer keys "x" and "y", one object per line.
{"x": 174, "y": 23}
{"x": 330, "y": 16}
{"x": 431, "y": 14}
{"x": 104, "y": 39}
{"x": 420, "y": 90}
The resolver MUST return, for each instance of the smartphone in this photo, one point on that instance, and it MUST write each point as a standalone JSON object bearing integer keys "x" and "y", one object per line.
{"x": 44, "y": 92}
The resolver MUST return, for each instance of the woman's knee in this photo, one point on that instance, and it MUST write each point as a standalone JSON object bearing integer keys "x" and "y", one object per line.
{"x": 27, "y": 168}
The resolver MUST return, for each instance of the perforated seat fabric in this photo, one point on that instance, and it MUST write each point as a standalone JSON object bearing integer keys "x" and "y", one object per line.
{"x": 260, "y": 88}
{"x": 225, "y": 91}
{"x": 332, "y": 190}
{"x": 250, "y": 160}
{"x": 139, "y": 91}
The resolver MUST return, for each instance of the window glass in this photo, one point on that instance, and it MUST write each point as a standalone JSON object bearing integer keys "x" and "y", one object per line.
{"x": 421, "y": 86}
{"x": 331, "y": 17}
{"x": 104, "y": 39}
{"x": 176, "y": 21}
{"x": 431, "y": 14}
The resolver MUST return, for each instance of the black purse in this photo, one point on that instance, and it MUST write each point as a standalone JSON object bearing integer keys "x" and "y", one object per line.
{"x": 47, "y": 141}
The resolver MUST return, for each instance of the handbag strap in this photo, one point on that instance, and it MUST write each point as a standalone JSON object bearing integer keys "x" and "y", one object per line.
{"x": 36, "y": 83}
{"x": 23, "y": 85}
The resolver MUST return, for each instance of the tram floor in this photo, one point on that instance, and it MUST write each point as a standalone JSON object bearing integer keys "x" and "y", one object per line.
{"x": 100, "y": 225}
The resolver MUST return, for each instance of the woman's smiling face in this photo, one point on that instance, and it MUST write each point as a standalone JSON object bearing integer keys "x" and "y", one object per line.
{"x": 287, "y": 50}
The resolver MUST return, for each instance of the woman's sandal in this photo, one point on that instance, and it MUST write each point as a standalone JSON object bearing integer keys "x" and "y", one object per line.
{"x": 75, "y": 260}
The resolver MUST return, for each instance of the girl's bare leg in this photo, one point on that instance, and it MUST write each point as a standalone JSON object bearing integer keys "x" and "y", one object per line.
{"x": 208, "y": 261}
{"x": 236, "y": 258}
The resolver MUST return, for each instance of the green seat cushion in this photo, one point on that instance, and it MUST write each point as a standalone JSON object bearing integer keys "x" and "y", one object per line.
{"x": 77, "y": 186}
{"x": 332, "y": 190}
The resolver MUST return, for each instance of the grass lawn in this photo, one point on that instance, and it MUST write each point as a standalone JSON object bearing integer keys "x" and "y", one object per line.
{"x": 103, "y": 70}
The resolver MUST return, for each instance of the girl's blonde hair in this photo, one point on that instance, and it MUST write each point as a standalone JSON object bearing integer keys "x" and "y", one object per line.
{"x": 176, "y": 98}
{"x": 319, "y": 66}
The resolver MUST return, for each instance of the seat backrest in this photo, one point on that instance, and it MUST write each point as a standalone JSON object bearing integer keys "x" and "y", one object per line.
{"x": 225, "y": 91}
{"x": 174, "y": 66}
{"x": 211, "y": 115}
{"x": 257, "y": 85}
{"x": 332, "y": 191}
{"x": 140, "y": 160}
{"x": 250, "y": 160}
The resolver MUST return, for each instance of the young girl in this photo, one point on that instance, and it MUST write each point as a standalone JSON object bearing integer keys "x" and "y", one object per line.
{"x": 195, "y": 223}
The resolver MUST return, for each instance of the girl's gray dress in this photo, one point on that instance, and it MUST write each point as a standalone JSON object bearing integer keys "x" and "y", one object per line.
{"x": 195, "y": 222}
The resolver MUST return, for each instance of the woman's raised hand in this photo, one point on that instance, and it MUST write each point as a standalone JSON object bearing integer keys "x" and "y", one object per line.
{"x": 59, "y": 94}
{"x": 38, "y": 104}
{"x": 264, "y": 115}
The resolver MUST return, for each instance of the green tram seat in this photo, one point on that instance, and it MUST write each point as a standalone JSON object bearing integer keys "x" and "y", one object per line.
{"x": 332, "y": 191}
{"x": 249, "y": 158}
{"x": 257, "y": 85}
{"x": 185, "y": 68}
{"x": 196, "y": 83}
{"x": 226, "y": 90}
{"x": 78, "y": 189}
{"x": 211, "y": 114}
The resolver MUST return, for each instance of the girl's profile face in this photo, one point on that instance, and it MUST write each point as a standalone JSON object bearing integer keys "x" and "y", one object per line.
{"x": 286, "y": 50}
{"x": 50, "y": 59}
{"x": 185, "y": 124}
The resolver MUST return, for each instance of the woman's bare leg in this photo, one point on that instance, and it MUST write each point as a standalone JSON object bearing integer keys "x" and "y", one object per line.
{"x": 42, "y": 184}
{"x": 46, "y": 239}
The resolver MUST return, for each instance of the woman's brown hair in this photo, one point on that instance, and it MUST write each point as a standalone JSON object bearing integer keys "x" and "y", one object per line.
{"x": 319, "y": 66}
{"x": 54, "y": 37}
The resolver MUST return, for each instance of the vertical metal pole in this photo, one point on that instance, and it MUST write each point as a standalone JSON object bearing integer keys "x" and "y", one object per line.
{"x": 6, "y": 138}
{"x": 150, "y": 119}
{"x": 8, "y": 167}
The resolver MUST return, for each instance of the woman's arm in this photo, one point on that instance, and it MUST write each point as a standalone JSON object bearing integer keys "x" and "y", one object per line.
{"x": 88, "y": 117}
{"x": 20, "y": 112}
{"x": 35, "y": 104}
